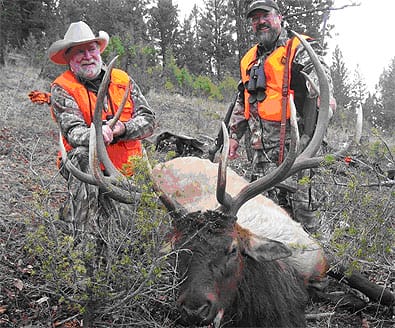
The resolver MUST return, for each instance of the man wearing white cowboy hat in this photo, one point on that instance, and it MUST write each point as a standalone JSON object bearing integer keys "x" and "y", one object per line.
{"x": 73, "y": 99}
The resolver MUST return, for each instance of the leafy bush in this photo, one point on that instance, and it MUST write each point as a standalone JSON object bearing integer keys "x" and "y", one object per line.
{"x": 115, "y": 272}
{"x": 204, "y": 87}
{"x": 357, "y": 207}
{"x": 228, "y": 88}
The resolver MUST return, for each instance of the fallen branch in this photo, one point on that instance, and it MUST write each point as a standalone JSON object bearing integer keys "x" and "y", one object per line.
{"x": 318, "y": 316}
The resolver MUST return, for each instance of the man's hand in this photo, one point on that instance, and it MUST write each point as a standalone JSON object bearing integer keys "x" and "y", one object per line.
{"x": 233, "y": 145}
{"x": 118, "y": 129}
{"x": 108, "y": 135}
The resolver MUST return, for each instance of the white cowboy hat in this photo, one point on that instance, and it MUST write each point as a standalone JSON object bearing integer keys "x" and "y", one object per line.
{"x": 77, "y": 33}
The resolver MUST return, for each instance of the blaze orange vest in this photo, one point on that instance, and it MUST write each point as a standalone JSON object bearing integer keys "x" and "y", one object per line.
{"x": 120, "y": 152}
{"x": 270, "y": 108}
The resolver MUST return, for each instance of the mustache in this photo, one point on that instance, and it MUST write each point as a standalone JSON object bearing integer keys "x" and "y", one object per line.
{"x": 263, "y": 26}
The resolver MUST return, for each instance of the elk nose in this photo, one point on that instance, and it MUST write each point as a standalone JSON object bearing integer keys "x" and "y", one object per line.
{"x": 196, "y": 315}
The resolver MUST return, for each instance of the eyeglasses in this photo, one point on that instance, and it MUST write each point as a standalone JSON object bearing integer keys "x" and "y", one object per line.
{"x": 261, "y": 15}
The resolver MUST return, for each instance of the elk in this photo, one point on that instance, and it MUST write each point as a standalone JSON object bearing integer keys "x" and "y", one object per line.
{"x": 246, "y": 262}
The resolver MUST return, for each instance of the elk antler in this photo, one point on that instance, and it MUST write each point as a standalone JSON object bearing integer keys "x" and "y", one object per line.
{"x": 116, "y": 183}
{"x": 306, "y": 159}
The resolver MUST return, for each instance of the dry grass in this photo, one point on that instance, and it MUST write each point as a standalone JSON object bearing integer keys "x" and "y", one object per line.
{"x": 31, "y": 192}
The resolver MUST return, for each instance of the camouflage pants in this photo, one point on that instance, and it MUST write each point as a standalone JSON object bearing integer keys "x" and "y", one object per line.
{"x": 87, "y": 209}
{"x": 265, "y": 138}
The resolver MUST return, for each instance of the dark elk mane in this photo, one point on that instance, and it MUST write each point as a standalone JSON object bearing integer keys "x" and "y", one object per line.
{"x": 269, "y": 295}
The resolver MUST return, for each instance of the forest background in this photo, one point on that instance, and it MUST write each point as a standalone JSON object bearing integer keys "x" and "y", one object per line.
{"x": 197, "y": 56}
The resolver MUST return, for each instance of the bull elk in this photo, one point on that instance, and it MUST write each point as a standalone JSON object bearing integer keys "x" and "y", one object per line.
{"x": 246, "y": 262}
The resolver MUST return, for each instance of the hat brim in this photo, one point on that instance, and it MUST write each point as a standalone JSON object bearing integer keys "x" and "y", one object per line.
{"x": 259, "y": 7}
{"x": 57, "y": 50}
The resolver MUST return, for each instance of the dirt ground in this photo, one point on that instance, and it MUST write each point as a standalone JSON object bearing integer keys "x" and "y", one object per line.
{"x": 28, "y": 146}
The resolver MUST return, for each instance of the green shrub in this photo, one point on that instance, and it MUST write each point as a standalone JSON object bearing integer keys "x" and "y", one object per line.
{"x": 115, "y": 269}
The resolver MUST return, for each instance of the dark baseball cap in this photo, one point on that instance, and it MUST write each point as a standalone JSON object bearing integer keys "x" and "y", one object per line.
{"x": 266, "y": 5}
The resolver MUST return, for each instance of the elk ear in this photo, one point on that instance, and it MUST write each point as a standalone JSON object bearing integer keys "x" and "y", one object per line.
{"x": 265, "y": 249}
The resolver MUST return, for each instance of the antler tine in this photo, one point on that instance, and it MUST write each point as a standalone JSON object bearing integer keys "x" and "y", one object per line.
{"x": 306, "y": 159}
{"x": 117, "y": 115}
{"x": 323, "y": 115}
{"x": 127, "y": 194}
{"x": 80, "y": 175}
{"x": 98, "y": 151}
{"x": 97, "y": 122}
{"x": 222, "y": 196}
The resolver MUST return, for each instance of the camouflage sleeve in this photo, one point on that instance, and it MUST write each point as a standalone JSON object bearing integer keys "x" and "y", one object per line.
{"x": 142, "y": 124}
{"x": 238, "y": 123}
{"x": 69, "y": 117}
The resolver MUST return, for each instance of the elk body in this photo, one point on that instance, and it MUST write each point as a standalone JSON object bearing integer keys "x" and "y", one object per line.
{"x": 252, "y": 270}
{"x": 245, "y": 261}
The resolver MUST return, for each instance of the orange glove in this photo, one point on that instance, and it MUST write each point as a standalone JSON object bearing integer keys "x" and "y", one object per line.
{"x": 39, "y": 97}
{"x": 233, "y": 145}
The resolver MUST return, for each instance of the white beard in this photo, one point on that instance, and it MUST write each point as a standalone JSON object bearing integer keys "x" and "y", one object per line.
{"x": 90, "y": 73}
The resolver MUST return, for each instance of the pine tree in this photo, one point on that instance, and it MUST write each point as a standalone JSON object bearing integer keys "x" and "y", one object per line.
{"x": 237, "y": 11}
{"x": 188, "y": 54}
{"x": 340, "y": 77}
{"x": 164, "y": 23}
{"x": 307, "y": 16}
{"x": 2, "y": 41}
{"x": 387, "y": 92}
{"x": 359, "y": 91}
{"x": 216, "y": 32}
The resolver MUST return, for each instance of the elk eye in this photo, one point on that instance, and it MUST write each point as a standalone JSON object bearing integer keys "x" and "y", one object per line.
{"x": 233, "y": 251}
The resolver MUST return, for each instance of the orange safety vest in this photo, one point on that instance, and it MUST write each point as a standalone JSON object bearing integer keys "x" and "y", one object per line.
{"x": 270, "y": 108}
{"x": 121, "y": 152}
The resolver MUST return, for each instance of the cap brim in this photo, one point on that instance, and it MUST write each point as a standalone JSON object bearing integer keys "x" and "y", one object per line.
{"x": 57, "y": 50}
{"x": 253, "y": 10}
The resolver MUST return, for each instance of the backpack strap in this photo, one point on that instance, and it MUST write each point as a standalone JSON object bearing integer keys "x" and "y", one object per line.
{"x": 284, "y": 102}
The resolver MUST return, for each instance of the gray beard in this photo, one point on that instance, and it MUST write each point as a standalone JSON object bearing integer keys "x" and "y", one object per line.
{"x": 267, "y": 39}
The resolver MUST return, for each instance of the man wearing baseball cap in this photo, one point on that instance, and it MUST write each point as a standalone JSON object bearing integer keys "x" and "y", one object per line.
{"x": 276, "y": 63}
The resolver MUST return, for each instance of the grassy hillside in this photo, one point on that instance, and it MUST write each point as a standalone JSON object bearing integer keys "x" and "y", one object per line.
{"x": 31, "y": 191}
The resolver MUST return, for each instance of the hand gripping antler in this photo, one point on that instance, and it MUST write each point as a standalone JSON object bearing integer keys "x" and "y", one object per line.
{"x": 115, "y": 183}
